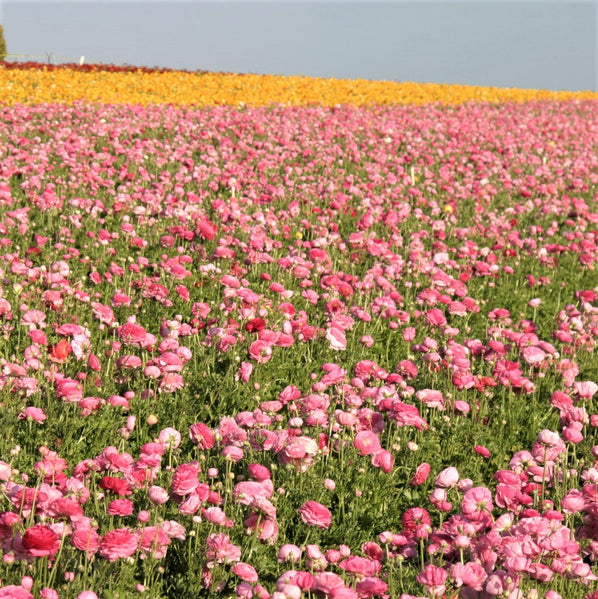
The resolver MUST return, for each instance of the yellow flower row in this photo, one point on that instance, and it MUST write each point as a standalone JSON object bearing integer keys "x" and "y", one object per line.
{"x": 32, "y": 86}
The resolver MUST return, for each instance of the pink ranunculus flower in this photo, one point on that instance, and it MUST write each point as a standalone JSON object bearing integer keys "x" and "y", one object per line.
{"x": 477, "y": 503}
{"x": 367, "y": 442}
{"x": 471, "y": 575}
{"x": 384, "y": 460}
{"x": 158, "y": 495}
{"x": 447, "y": 478}
{"x": 120, "y": 507}
{"x": 313, "y": 513}
{"x": 202, "y": 435}
{"x": 131, "y": 333}
{"x": 585, "y": 389}
{"x": 421, "y": 474}
{"x": 245, "y": 572}
{"x": 336, "y": 337}
{"x": 118, "y": 543}
{"x": 434, "y": 578}
{"x": 260, "y": 351}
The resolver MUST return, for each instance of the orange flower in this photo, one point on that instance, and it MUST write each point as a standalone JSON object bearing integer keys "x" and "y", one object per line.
{"x": 60, "y": 352}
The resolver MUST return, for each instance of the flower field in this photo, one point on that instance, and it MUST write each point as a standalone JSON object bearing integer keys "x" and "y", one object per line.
{"x": 32, "y": 83}
{"x": 296, "y": 349}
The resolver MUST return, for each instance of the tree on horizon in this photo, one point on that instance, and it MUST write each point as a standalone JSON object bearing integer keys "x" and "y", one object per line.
{"x": 2, "y": 44}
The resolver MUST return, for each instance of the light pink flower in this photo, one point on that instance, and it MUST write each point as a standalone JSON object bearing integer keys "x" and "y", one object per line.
{"x": 447, "y": 478}
{"x": 585, "y": 389}
{"x": 336, "y": 337}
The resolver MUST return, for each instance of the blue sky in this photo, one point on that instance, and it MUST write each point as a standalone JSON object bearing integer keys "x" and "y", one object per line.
{"x": 551, "y": 45}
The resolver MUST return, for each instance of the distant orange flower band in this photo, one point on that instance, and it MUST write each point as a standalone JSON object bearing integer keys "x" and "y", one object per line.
{"x": 34, "y": 83}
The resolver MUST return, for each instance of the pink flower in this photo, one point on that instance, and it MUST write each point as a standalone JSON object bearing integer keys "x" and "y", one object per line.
{"x": 421, "y": 474}
{"x": 533, "y": 355}
{"x": 260, "y": 351}
{"x": 131, "y": 333}
{"x": 435, "y": 317}
{"x": 158, "y": 495}
{"x": 69, "y": 390}
{"x": 120, "y": 507}
{"x": 171, "y": 381}
{"x": 367, "y": 442}
{"x": 313, "y": 513}
{"x": 477, "y": 503}
{"x": 220, "y": 550}
{"x": 483, "y": 451}
{"x": 384, "y": 460}
{"x": 336, "y": 338}
{"x": 118, "y": 543}
{"x": 245, "y": 370}
{"x": 33, "y": 414}
{"x": 86, "y": 538}
{"x": 5, "y": 471}
{"x": 289, "y": 553}
{"x": 245, "y": 572}
{"x": 327, "y": 583}
{"x": 202, "y": 435}
{"x": 447, "y": 478}
{"x": 471, "y": 575}
{"x": 154, "y": 541}
{"x": 434, "y": 579}
{"x": 360, "y": 566}
{"x": 185, "y": 479}
{"x": 585, "y": 389}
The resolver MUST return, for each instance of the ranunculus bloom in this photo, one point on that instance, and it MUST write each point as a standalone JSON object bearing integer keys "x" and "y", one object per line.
{"x": 421, "y": 474}
{"x": 483, "y": 451}
{"x": 202, "y": 435}
{"x": 86, "y": 538}
{"x": 120, "y": 507}
{"x": 118, "y": 543}
{"x": 131, "y": 333}
{"x": 315, "y": 514}
{"x": 367, "y": 442}
{"x": 384, "y": 460}
{"x": 41, "y": 541}
{"x": 185, "y": 479}
{"x": 12, "y": 591}
{"x": 447, "y": 478}
{"x": 336, "y": 338}
{"x": 245, "y": 572}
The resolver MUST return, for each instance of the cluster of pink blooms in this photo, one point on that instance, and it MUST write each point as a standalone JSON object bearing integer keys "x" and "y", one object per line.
{"x": 326, "y": 235}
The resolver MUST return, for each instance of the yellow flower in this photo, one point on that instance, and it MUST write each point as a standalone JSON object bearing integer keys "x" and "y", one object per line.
{"x": 33, "y": 86}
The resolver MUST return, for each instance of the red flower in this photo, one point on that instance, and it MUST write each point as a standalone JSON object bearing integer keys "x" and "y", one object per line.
{"x": 117, "y": 485}
{"x": 60, "y": 352}
{"x": 255, "y": 325}
{"x": 41, "y": 541}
